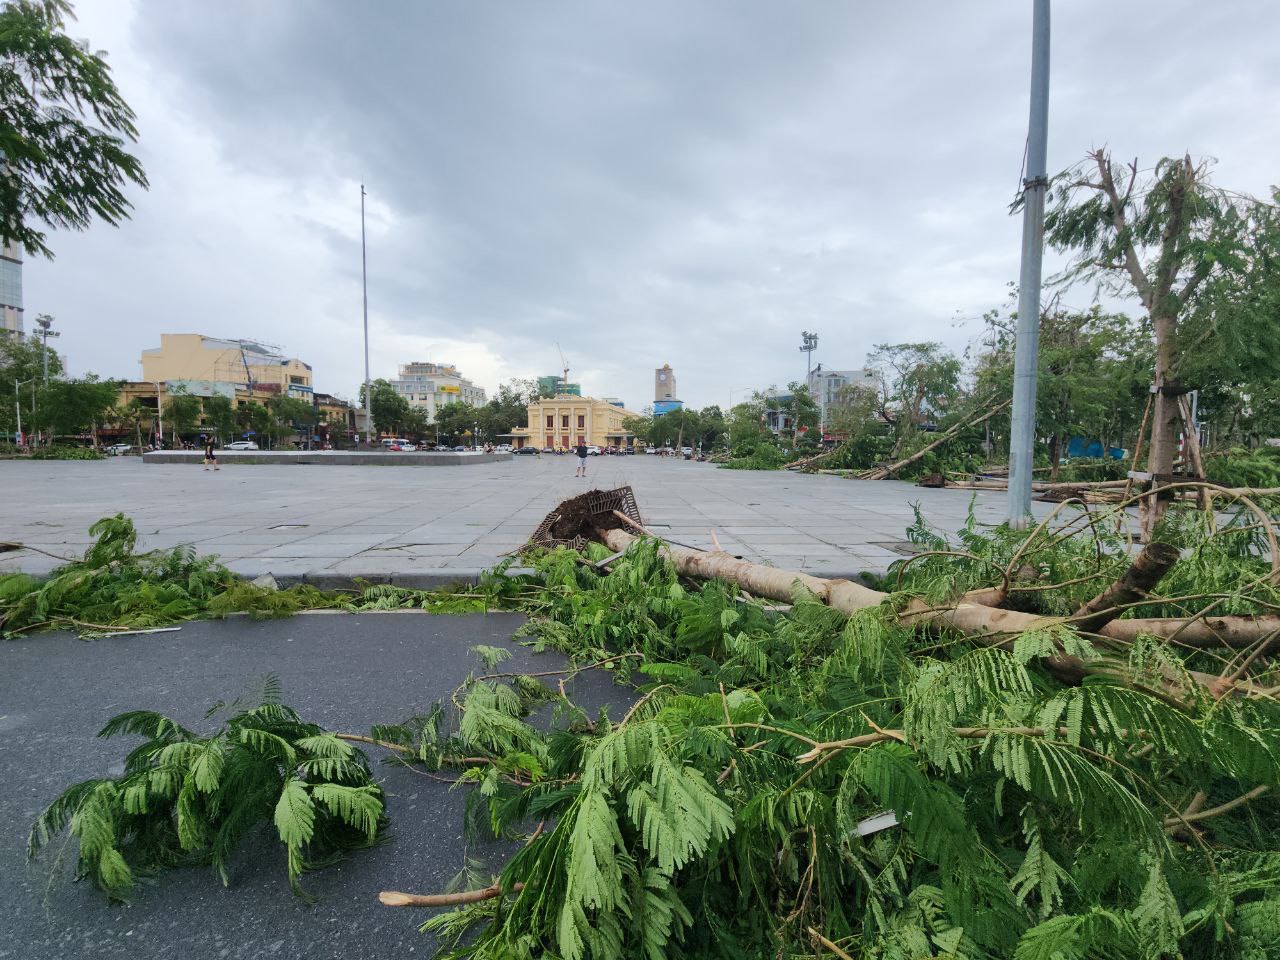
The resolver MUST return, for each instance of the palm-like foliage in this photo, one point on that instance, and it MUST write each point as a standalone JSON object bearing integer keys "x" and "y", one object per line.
{"x": 188, "y": 799}
{"x": 722, "y": 816}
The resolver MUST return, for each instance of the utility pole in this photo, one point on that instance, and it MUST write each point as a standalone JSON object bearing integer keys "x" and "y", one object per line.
{"x": 364, "y": 285}
{"x": 1022, "y": 433}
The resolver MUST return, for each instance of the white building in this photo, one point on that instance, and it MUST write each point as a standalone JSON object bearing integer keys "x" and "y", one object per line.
{"x": 429, "y": 386}
{"x": 826, "y": 386}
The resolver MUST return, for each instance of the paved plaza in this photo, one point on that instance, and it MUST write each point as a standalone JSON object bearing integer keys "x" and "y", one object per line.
{"x": 418, "y": 526}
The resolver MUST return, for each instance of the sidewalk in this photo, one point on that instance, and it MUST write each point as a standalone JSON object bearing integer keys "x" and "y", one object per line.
{"x": 328, "y": 524}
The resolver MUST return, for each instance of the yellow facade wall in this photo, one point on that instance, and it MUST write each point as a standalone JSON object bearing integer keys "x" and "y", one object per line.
{"x": 563, "y": 421}
{"x": 191, "y": 356}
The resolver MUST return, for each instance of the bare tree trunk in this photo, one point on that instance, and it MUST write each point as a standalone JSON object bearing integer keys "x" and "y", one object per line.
{"x": 1055, "y": 454}
{"x": 1165, "y": 421}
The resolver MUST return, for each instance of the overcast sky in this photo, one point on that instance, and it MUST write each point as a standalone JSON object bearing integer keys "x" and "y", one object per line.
{"x": 682, "y": 181}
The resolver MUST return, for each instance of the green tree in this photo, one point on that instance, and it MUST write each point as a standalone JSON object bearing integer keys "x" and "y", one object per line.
{"x": 746, "y": 427}
{"x": 64, "y": 130}
{"x": 1093, "y": 370}
{"x": 81, "y": 405}
{"x": 20, "y": 363}
{"x": 922, "y": 381}
{"x": 182, "y": 413}
{"x": 220, "y": 417}
{"x": 389, "y": 408}
{"x": 1178, "y": 244}
{"x": 289, "y": 417}
{"x": 456, "y": 420}
{"x": 254, "y": 417}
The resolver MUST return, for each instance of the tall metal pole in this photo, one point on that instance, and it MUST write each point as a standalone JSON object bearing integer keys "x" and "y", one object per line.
{"x": 1022, "y": 433}
{"x": 364, "y": 283}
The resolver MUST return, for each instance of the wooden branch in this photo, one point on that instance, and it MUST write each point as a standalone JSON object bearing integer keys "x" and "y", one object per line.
{"x": 980, "y": 623}
{"x": 882, "y": 473}
{"x": 1148, "y": 569}
{"x": 1192, "y": 817}
{"x": 393, "y": 898}
{"x": 1118, "y": 219}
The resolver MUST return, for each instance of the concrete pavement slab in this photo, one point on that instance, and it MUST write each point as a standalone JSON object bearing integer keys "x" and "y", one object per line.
{"x": 297, "y": 519}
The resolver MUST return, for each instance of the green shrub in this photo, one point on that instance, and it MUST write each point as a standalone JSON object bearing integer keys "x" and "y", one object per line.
{"x": 1244, "y": 468}
{"x": 65, "y": 453}
{"x": 1093, "y": 469}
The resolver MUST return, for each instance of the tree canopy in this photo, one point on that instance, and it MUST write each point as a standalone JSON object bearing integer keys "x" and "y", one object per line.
{"x": 65, "y": 129}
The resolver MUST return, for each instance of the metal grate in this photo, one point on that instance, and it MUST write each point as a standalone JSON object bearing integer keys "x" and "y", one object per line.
{"x": 577, "y": 515}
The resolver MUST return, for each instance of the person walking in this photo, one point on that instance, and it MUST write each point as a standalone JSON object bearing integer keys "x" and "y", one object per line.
{"x": 210, "y": 455}
{"x": 581, "y": 451}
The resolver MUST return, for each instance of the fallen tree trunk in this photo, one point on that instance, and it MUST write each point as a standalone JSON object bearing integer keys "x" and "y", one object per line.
{"x": 979, "y": 622}
{"x": 1148, "y": 569}
{"x": 882, "y": 473}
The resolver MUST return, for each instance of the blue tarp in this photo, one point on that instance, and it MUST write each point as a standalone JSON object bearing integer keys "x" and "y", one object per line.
{"x": 1080, "y": 447}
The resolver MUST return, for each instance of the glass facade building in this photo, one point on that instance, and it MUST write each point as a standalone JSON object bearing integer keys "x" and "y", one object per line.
{"x": 10, "y": 291}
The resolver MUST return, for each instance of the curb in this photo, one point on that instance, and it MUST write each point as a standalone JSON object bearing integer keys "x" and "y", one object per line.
{"x": 427, "y": 580}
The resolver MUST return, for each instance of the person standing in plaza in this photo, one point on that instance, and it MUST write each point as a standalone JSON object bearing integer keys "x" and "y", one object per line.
{"x": 210, "y": 455}
{"x": 581, "y": 451}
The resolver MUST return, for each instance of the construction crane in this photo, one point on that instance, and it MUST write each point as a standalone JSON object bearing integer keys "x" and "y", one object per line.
{"x": 564, "y": 379}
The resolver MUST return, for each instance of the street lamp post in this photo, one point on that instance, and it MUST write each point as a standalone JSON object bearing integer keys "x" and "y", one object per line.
{"x": 475, "y": 437}
{"x": 809, "y": 344}
{"x": 159, "y": 415}
{"x": 364, "y": 287}
{"x": 44, "y": 321}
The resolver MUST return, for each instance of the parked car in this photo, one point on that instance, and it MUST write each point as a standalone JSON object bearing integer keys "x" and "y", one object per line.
{"x": 503, "y": 448}
{"x": 441, "y": 448}
{"x": 118, "y": 449}
{"x": 525, "y": 451}
{"x": 241, "y": 445}
{"x": 593, "y": 451}
{"x": 459, "y": 449}
{"x": 403, "y": 447}
{"x": 650, "y": 450}
{"x": 687, "y": 451}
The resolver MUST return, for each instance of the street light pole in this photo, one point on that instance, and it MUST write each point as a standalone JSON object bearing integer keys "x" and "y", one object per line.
{"x": 364, "y": 286}
{"x": 809, "y": 345}
{"x": 44, "y": 321}
{"x": 1022, "y": 432}
{"x": 159, "y": 414}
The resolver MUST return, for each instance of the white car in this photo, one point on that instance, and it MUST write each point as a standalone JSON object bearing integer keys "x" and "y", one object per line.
{"x": 593, "y": 451}
{"x": 687, "y": 451}
{"x": 241, "y": 445}
{"x": 503, "y": 448}
{"x": 119, "y": 449}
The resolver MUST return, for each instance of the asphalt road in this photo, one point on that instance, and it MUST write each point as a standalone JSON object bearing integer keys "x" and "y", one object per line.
{"x": 343, "y": 671}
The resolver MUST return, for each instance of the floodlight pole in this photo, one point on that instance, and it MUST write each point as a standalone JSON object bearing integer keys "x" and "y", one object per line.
{"x": 364, "y": 285}
{"x": 1022, "y": 432}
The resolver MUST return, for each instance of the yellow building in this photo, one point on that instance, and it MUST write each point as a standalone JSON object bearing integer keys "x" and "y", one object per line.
{"x": 191, "y": 356}
{"x": 565, "y": 420}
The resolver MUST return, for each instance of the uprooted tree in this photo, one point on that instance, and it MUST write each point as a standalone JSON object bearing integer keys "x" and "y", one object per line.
{"x": 1030, "y": 745}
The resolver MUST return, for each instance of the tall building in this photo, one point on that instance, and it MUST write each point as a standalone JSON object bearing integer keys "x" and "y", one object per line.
{"x": 193, "y": 357}
{"x": 665, "y": 397}
{"x": 827, "y": 386}
{"x": 554, "y": 385}
{"x": 664, "y": 383}
{"x": 566, "y": 420}
{"x": 11, "y": 291}
{"x": 429, "y": 386}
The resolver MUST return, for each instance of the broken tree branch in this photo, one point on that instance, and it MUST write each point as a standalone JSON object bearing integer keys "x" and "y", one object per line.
{"x": 393, "y": 898}
{"x": 882, "y": 473}
{"x": 1148, "y": 569}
